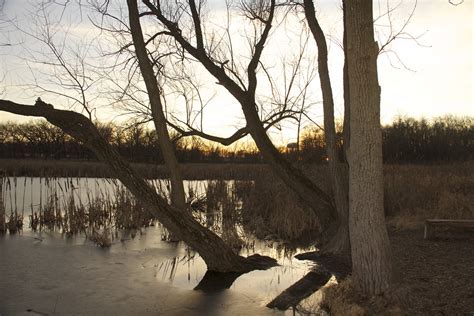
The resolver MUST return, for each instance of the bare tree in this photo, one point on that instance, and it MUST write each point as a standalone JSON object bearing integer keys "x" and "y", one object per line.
{"x": 371, "y": 262}
{"x": 243, "y": 88}
{"x": 339, "y": 244}
{"x": 75, "y": 78}
{"x": 157, "y": 112}
{"x": 217, "y": 255}
{"x": 69, "y": 76}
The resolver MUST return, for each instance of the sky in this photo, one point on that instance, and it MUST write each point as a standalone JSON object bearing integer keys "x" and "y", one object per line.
{"x": 428, "y": 77}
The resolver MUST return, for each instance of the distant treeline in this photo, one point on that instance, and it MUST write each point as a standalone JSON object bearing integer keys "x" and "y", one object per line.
{"x": 39, "y": 139}
{"x": 405, "y": 140}
{"x": 443, "y": 139}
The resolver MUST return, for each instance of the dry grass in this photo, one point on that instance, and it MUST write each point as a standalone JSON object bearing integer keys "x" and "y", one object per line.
{"x": 414, "y": 193}
{"x": 271, "y": 211}
{"x": 342, "y": 299}
{"x": 15, "y": 223}
{"x": 263, "y": 207}
{"x": 103, "y": 212}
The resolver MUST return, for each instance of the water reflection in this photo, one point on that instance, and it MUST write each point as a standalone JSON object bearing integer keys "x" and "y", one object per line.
{"x": 188, "y": 271}
{"x": 213, "y": 281}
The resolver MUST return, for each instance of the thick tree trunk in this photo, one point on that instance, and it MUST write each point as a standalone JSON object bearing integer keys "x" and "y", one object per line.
{"x": 347, "y": 104}
{"x": 371, "y": 261}
{"x": 217, "y": 255}
{"x": 339, "y": 243}
{"x": 178, "y": 198}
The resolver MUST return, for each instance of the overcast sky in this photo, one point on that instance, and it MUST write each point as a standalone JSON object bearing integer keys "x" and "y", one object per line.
{"x": 438, "y": 78}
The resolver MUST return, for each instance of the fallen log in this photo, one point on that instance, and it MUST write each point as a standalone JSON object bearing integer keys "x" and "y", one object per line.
{"x": 327, "y": 266}
{"x": 300, "y": 290}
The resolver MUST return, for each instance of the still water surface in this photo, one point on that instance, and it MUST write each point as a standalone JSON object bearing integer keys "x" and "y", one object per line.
{"x": 172, "y": 267}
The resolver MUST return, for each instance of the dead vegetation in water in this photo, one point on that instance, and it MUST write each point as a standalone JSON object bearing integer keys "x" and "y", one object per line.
{"x": 263, "y": 207}
{"x": 12, "y": 223}
{"x": 3, "y": 224}
{"x": 101, "y": 237}
{"x": 219, "y": 210}
{"x": 15, "y": 223}
{"x": 271, "y": 211}
{"x": 66, "y": 207}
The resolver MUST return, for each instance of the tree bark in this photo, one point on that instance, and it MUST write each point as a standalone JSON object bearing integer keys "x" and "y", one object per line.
{"x": 371, "y": 262}
{"x": 347, "y": 104}
{"x": 217, "y": 255}
{"x": 339, "y": 244}
{"x": 178, "y": 198}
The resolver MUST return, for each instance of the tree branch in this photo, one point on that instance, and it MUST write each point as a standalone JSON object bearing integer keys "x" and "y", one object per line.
{"x": 251, "y": 69}
{"x": 226, "y": 141}
{"x": 197, "y": 25}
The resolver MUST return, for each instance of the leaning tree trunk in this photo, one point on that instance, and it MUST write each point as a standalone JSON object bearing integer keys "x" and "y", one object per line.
{"x": 339, "y": 243}
{"x": 217, "y": 255}
{"x": 371, "y": 262}
{"x": 308, "y": 193}
{"x": 177, "y": 189}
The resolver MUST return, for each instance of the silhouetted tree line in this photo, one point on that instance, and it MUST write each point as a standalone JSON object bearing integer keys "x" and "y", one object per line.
{"x": 39, "y": 139}
{"x": 409, "y": 140}
{"x": 405, "y": 140}
{"x": 443, "y": 139}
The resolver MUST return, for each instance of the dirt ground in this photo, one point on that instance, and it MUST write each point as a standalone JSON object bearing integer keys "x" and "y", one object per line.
{"x": 437, "y": 276}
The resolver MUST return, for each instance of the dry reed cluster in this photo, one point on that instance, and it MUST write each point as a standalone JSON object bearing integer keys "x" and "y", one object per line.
{"x": 99, "y": 215}
{"x": 414, "y": 193}
{"x": 234, "y": 209}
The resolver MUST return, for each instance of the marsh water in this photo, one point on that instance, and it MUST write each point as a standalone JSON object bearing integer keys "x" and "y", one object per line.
{"x": 45, "y": 272}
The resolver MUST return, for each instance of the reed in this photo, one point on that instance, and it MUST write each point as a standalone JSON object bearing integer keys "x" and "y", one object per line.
{"x": 262, "y": 207}
{"x": 271, "y": 211}
{"x": 3, "y": 223}
{"x": 414, "y": 193}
